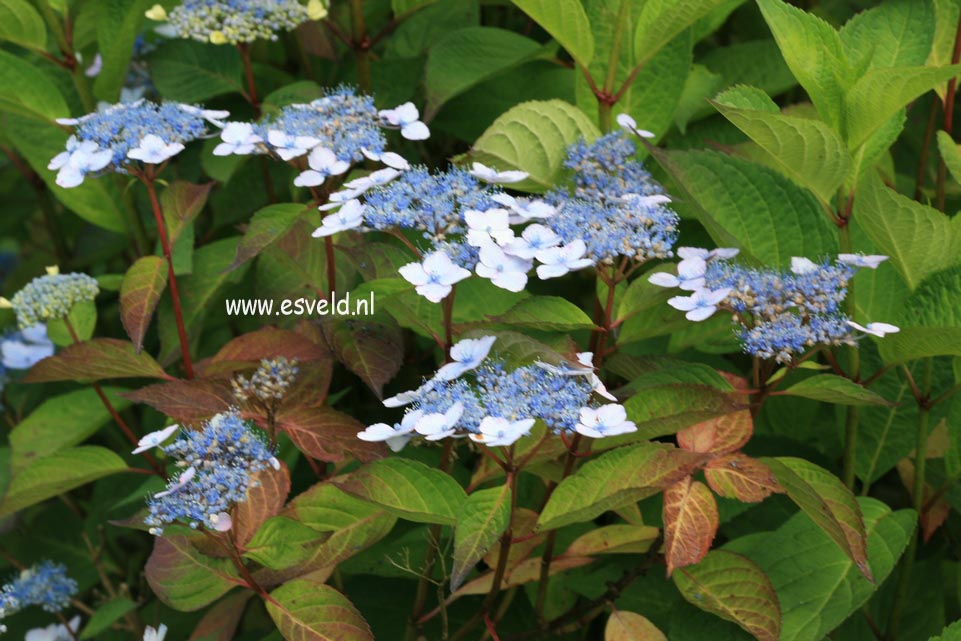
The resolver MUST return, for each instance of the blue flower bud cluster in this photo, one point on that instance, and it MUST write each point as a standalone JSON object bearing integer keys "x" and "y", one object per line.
{"x": 52, "y": 296}
{"x": 269, "y": 383}
{"x": 45, "y": 584}
{"x": 614, "y": 205}
{"x": 236, "y": 21}
{"x": 224, "y": 456}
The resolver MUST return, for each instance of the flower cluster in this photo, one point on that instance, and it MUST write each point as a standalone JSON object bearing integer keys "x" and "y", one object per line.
{"x": 496, "y": 405}
{"x": 780, "y": 314}
{"x": 218, "y": 463}
{"x": 236, "y": 21}
{"x": 124, "y": 134}
{"x": 269, "y": 383}
{"x": 23, "y": 349}
{"x": 50, "y": 297}
{"x": 46, "y": 584}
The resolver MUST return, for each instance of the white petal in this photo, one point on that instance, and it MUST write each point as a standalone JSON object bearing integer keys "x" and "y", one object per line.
{"x": 700, "y": 313}
{"x": 415, "y": 131}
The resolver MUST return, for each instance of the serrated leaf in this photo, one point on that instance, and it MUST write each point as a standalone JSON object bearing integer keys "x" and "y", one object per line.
{"x": 746, "y": 205}
{"x": 879, "y": 94}
{"x": 757, "y": 63}
{"x": 140, "y": 292}
{"x": 567, "y": 23}
{"x": 951, "y": 154}
{"x": 186, "y": 401}
{"x": 325, "y": 434}
{"x": 118, "y": 24}
{"x": 480, "y": 522}
{"x": 893, "y": 34}
{"x": 950, "y": 633}
{"x": 281, "y": 542}
{"x": 838, "y": 390}
{"x": 409, "y": 489}
{"x": 266, "y": 227}
{"x": 370, "y": 348}
{"x": 735, "y": 589}
{"x": 269, "y": 342}
{"x": 181, "y": 203}
{"x": 83, "y": 321}
{"x": 629, "y": 626}
{"x": 105, "y": 615}
{"x": 93, "y": 360}
{"x": 306, "y": 610}
{"x": 21, "y": 24}
{"x": 721, "y": 435}
{"x": 826, "y": 500}
{"x": 804, "y": 149}
{"x": 648, "y": 371}
{"x": 919, "y": 239}
{"x": 265, "y": 498}
{"x": 27, "y": 91}
{"x": 690, "y": 523}
{"x": 58, "y": 473}
{"x": 930, "y": 320}
{"x": 661, "y": 20}
{"x": 534, "y": 137}
{"x": 621, "y": 476}
{"x": 548, "y": 313}
{"x": 185, "y": 579}
{"x": 190, "y": 72}
{"x": 614, "y": 539}
{"x": 526, "y": 572}
{"x": 220, "y": 622}
{"x": 737, "y": 476}
{"x": 665, "y": 409}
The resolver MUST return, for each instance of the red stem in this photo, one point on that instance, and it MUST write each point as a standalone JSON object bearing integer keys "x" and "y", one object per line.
{"x": 249, "y": 76}
{"x": 148, "y": 180}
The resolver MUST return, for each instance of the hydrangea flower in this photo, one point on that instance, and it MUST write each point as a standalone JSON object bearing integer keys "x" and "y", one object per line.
{"x": 45, "y": 584}
{"x": 126, "y": 134}
{"x": 465, "y": 355}
{"x": 406, "y": 117}
{"x": 155, "y": 634}
{"x": 435, "y": 276}
{"x": 154, "y": 439}
{"x": 235, "y": 21}
{"x": 269, "y": 383}
{"x": 219, "y": 462}
{"x": 350, "y": 216}
{"x": 25, "y": 348}
{"x": 607, "y": 420}
{"x": 55, "y": 631}
{"x": 485, "y": 173}
{"x": 395, "y": 436}
{"x": 51, "y": 297}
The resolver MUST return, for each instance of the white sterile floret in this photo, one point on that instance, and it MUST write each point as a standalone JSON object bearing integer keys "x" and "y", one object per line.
{"x": 435, "y": 276}
{"x": 338, "y": 198}
{"x": 407, "y": 119}
{"x": 434, "y": 427}
{"x": 406, "y": 398}
{"x": 525, "y": 209}
{"x": 486, "y": 225}
{"x": 723, "y": 253}
{"x": 502, "y": 269}
{"x": 154, "y": 150}
{"x": 213, "y": 116}
{"x": 56, "y": 632}
{"x": 860, "y": 260}
{"x": 26, "y": 348}
{"x": 238, "y": 139}
{"x": 374, "y": 179}
{"x": 154, "y": 439}
{"x": 389, "y": 158}
{"x": 289, "y": 147}
{"x": 533, "y": 239}
{"x": 700, "y": 305}
{"x": 78, "y": 159}
{"x": 800, "y": 265}
{"x": 466, "y": 354}
{"x": 323, "y": 164}
{"x": 185, "y": 477}
{"x": 630, "y": 125}
{"x": 645, "y": 201}
{"x": 606, "y": 420}
{"x": 499, "y": 432}
{"x": 395, "y": 436}
{"x": 690, "y": 275}
{"x": 350, "y": 216}
{"x": 485, "y": 173}
{"x": 876, "y": 329}
{"x": 558, "y": 261}
{"x": 155, "y": 634}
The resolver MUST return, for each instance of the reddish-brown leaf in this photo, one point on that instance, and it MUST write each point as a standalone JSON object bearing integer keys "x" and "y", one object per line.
{"x": 94, "y": 360}
{"x": 184, "y": 578}
{"x": 933, "y": 515}
{"x": 265, "y": 498}
{"x": 721, "y": 435}
{"x": 628, "y": 626}
{"x": 526, "y": 540}
{"x": 182, "y": 202}
{"x": 140, "y": 292}
{"x": 737, "y": 476}
{"x": 270, "y": 342}
{"x": 328, "y": 435}
{"x": 185, "y": 401}
{"x": 690, "y": 523}
{"x": 370, "y": 349}
{"x": 220, "y": 622}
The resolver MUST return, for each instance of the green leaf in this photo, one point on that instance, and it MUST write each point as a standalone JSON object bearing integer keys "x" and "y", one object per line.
{"x": 140, "y": 292}
{"x": 105, "y": 616}
{"x": 919, "y": 239}
{"x": 951, "y": 154}
{"x": 28, "y": 91}
{"x": 409, "y": 489}
{"x": 400, "y": 7}
{"x": 549, "y": 313}
{"x": 645, "y": 372}
{"x": 305, "y": 610}
{"x": 814, "y": 53}
{"x": 895, "y": 33}
{"x": 118, "y": 24}
{"x": 950, "y": 633}
{"x": 700, "y": 86}
{"x": 659, "y": 410}
{"x": 567, "y": 23}
{"x": 467, "y": 57}
{"x": 756, "y": 63}
{"x": 828, "y": 503}
{"x": 879, "y": 94}
{"x": 82, "y": 318}
{"x": 533, "y": 137}
{"x": 735, "y": 589}
{"x": 945, "y": 32}
{"x": 614, "y": 479}
{"x": 930, "y": 321}
{"x": 749, "y": 206}
{"x": 806, "y": 150}
{"x": 58, "y": 473}
{"x": 619, "y": 538}
{"x": 95, "y": 360}
{"x": 185, "y": 579}
{"x": 60, "y": 422}
{"x": 661, "y": 21}
{"x": 21, "y": 24}
{"x": 480, "y": 522}
{"x": 190, "y": 71}
{"x": 181, "y": 203}
{"x": 835, "y": 389}
{"x": 266, "y": 227}
{"x": 281, "y": 542}
{"x": 817, "y": 584}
